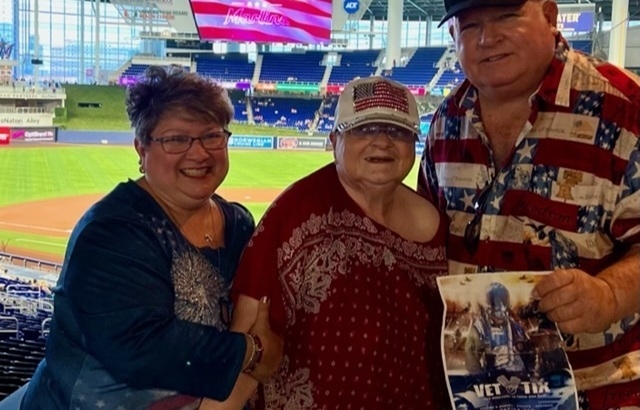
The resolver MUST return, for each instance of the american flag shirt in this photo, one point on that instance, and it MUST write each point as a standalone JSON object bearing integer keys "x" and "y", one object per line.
{"x": 568, "y": 197}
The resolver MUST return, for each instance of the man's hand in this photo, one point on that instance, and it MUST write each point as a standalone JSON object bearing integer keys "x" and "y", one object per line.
{"x": 272, "y": 344}
{"x": 576, "y": 301}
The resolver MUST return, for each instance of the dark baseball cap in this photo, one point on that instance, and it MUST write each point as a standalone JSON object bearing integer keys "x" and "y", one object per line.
{"x": 453, "y": 7}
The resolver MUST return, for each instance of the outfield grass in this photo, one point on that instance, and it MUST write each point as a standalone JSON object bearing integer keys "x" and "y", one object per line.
{"x": 43, "y": 173}
{"x": 111, "y": 115}
{"x": 54, "y": 245}
{"x": 31, "y": 174}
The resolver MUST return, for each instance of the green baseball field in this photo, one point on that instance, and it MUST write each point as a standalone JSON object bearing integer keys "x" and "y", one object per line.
{"x": 45, "y": 190}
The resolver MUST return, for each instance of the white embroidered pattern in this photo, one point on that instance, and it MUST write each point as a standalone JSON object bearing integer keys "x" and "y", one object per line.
{"x": 326, "y": 246}
{"x": 289, "y": 391}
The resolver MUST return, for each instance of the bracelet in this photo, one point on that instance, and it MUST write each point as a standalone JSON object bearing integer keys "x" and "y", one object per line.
{"x": 256, "y": 354}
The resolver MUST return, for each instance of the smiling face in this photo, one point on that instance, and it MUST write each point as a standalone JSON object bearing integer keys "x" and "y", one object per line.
{"x": 373, "y": 160}
{"x": 185, "y": 180}
{"x": 506, "y": 47}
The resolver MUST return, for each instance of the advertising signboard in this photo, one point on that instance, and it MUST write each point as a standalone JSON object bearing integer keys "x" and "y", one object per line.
{"x": 284, "y": 21}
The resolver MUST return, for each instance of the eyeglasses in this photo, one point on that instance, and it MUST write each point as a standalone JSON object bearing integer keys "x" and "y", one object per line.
{"x": 177, "y": 144}
{"x": 373, "y": 130}
{"x": 473, "y": 228}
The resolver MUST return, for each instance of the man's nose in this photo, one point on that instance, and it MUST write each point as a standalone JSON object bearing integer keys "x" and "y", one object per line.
{"x": 489, "y": 35}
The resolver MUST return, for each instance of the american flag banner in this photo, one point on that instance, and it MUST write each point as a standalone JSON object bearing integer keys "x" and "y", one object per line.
{"x": 262, "y": 21}
{"x": 380, "y": 94}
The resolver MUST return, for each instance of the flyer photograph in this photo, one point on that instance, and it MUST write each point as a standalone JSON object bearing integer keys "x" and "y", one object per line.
{"x": 499, "y": 351}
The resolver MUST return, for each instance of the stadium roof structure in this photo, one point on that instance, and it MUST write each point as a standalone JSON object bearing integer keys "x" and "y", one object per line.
{"x": 421, "y": 9}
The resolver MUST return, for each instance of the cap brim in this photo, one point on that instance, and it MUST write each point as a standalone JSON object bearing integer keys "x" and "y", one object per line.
{"x": 381, "y": 120}
{"x": 447, "y": 17}
{"x": 472, "y": 4}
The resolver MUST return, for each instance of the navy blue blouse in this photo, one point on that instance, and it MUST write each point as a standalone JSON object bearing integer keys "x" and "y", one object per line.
{"x": 139, "y": 312}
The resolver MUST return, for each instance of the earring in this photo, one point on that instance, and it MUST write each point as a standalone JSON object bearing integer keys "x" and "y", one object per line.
{"x": 140, "y": 168}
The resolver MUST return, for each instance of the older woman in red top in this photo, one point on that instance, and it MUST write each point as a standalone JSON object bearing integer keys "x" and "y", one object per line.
{"x": 348, "y": 257}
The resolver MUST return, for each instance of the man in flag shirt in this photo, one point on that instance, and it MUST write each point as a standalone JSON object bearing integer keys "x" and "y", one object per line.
{"x": 536, "y": 159}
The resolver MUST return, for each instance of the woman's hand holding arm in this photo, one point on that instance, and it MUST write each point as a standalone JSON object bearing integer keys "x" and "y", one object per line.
{"x": 252, "y": 316}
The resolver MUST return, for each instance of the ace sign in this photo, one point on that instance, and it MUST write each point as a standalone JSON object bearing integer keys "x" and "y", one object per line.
{"x": 351, "y": 6}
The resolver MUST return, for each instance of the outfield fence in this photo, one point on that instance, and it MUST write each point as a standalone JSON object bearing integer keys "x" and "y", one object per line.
{"x": 260, "y": 142}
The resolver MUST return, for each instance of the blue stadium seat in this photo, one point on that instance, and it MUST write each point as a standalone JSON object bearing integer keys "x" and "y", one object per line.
{"x": 301, "y": 68}
{"x": 357, "y": 63}
{"x": 420, "y": 69}
{"x": 232, "y": 67}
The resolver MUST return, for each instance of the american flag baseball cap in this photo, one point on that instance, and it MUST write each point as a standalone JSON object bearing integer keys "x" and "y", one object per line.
{"x": 376, "y": 99}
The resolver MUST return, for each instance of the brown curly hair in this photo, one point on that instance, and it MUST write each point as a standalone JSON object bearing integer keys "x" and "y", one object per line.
{"x": 172, "y": 90}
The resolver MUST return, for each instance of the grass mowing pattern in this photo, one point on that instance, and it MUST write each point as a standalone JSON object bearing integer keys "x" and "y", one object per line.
{"x": 31, "y": 174}
{"x": 51, "y": 244}
{"x": 111, "y": 116}
{"x": 42, "y": 173}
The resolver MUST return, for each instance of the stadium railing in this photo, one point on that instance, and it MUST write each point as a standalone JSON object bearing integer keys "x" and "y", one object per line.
{"x": 29, "y": 262}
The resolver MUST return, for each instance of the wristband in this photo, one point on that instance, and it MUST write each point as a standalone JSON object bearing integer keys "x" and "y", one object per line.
{"x": 256, "y": 354}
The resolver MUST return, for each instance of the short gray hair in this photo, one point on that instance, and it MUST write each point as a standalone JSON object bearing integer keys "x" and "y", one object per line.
{"x": 160, "y": 90}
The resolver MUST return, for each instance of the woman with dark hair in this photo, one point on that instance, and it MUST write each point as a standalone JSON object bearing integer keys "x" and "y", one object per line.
{"x": 142, "y": 305}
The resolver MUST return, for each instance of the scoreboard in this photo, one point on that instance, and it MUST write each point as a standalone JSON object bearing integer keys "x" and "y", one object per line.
{"x": 188, "y": 44}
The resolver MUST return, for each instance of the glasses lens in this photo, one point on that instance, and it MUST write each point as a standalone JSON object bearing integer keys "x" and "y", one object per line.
{"x": 181, "y": 143}
{"x": 214, "y": 140}
{"x": 400, "y": 134}
{"x": 393, "y": 132}
{"x": 176, "y": 145}
{"x": 363, "y": 131}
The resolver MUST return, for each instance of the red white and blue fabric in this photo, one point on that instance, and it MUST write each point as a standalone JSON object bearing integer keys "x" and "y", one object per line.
{"x": 568, "y": 197}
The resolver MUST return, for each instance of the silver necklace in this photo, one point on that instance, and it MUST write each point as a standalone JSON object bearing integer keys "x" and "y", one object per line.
{"x": 209, "y": 234}
{"x": 208, "y": 238}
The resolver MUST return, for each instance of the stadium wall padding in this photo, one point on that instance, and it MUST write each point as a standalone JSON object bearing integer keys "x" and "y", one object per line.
{"x": 236, "y": 141}
{"x": 95, "y": 137}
